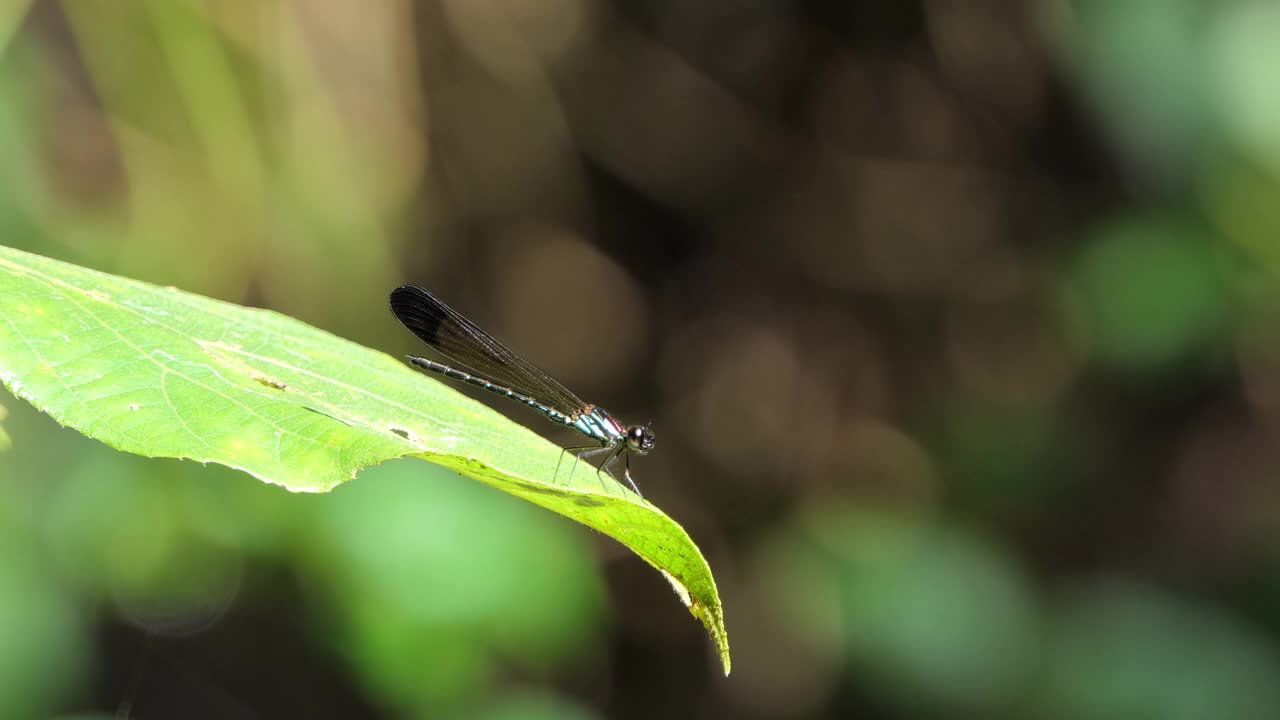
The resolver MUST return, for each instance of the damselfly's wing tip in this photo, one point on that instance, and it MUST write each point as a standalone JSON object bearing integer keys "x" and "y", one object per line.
{"x": 407, "y": 298}
{"x": 407, "y": 291}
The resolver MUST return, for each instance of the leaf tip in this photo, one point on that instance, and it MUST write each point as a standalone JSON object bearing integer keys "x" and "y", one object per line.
{"x": 711, "y": 616}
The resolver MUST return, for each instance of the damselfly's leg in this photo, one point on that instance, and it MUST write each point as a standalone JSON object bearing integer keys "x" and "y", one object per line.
{"x": 575, "y": 452}
{"x": 604, "y": 467}
{"x": 592, "y": 451}
{"x": 626, "y": 473}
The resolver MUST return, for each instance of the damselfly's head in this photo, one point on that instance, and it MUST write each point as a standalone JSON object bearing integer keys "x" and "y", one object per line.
{"x": 640, "y": 439}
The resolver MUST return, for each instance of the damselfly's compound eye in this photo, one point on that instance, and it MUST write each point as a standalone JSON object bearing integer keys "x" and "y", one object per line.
{"x": 640, "y": 439}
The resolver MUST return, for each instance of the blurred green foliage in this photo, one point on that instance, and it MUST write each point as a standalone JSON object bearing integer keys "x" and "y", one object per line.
{"x": 426, "y": 623}
{"x": 1152, "y": 292}
{"x": 957, "y": 322}
{"x": 912, "y": 600}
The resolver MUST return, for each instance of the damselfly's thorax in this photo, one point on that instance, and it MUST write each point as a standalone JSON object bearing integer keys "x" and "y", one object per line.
{"x": 597, "y": 424}
{"x": 594, "y": 422}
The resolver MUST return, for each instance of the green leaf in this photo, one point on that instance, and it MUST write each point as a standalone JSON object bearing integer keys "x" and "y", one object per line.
{"x": 163, "y": 373}
{"x": 5, "y": 441}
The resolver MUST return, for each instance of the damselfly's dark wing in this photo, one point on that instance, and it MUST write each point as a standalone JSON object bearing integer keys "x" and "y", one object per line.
{"x": 460, "y": 340}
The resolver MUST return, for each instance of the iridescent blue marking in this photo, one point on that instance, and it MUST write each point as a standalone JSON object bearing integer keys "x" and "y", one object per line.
{"x": 599, "y": 425}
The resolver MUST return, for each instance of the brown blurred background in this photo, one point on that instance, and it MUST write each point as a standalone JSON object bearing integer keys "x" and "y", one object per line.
{"x": 956, "y": 322}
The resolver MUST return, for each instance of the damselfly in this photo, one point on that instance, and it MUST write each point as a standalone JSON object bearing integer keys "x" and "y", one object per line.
{"x": 486, "y": 363}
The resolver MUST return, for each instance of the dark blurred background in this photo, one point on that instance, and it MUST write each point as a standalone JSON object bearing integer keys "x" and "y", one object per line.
{"x": 956, "y": 321}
